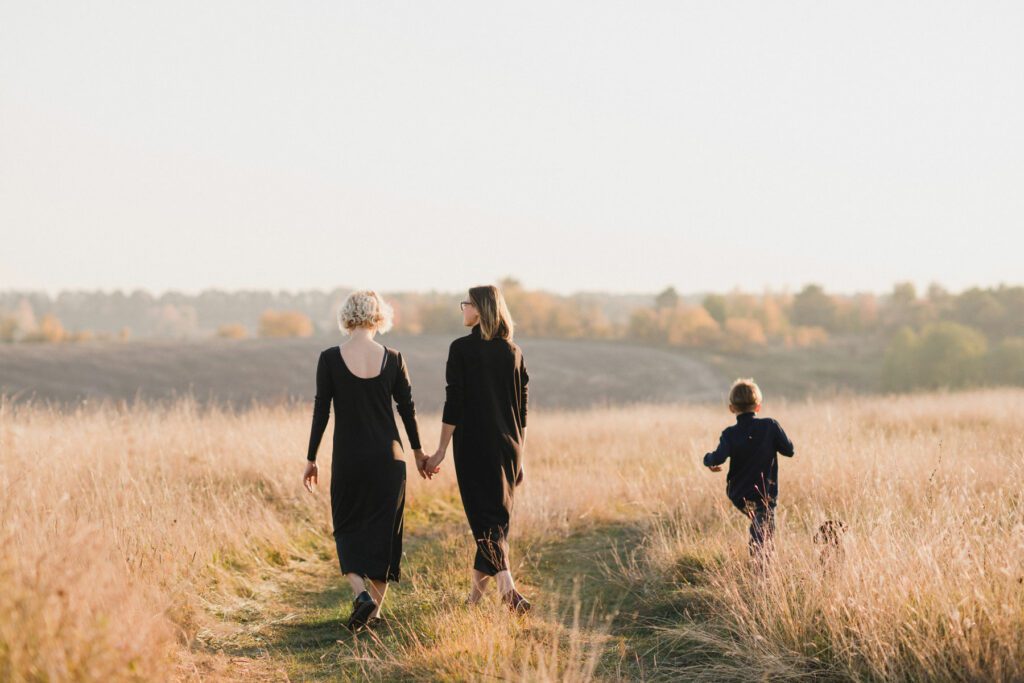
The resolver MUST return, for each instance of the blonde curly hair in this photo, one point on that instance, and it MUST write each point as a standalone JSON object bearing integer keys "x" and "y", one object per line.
{"x": 365, "y": 308}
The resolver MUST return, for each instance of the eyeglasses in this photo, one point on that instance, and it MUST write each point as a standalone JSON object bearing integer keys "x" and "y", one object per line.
{"x": 463, "y": 304}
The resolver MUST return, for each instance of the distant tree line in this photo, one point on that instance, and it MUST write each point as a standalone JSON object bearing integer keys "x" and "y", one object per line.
{"x": 81, "y": 315}
{"x": 932, "y": 339}
{"x": 938, "y": 339}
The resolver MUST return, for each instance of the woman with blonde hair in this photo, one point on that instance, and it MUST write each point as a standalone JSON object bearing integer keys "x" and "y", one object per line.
{"x": 485, "y": 418}
{"x": 362, "y": 377}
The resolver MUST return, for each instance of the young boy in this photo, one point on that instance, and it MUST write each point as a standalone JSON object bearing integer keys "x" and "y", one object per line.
{"x": 751, "y": 444}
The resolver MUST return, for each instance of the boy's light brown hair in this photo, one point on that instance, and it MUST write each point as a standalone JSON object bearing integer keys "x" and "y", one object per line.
{"x": 744, "y": 395}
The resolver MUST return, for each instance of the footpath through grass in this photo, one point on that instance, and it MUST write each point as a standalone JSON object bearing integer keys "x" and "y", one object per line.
{"x": 594, "y": 617}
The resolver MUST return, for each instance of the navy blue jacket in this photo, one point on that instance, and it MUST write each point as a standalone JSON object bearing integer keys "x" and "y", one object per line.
{"x": 751, "y": 446}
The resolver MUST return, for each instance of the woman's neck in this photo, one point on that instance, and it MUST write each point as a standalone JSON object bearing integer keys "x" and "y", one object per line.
{"x": 361, "y": 336}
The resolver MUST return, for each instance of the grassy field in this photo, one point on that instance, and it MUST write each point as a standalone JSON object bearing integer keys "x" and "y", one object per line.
{"x": 157, "y": 542}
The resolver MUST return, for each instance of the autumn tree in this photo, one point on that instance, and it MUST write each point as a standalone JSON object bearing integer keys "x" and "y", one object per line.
{"x": 8, "y": 328}
{"x": 49, "y": 329}
{"x": 689, "y": 326}
{"x": 743, "y": 334}
{"x": 232, "y": 331}
{"x": 279, "y": 324}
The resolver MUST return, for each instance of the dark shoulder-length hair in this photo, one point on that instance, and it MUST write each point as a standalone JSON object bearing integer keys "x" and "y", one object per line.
{"x": 495, "y": 320}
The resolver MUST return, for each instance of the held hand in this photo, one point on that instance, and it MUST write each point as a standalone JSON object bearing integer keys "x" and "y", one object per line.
{"x": 714, "y": 468}
{"x": 421, "y": 462}
{"x": 310, "y": 478}
{"x": 433, "y": 463}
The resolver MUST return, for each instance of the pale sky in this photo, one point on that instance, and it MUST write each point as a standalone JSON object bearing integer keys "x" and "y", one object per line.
{"x": 575, "y": 145}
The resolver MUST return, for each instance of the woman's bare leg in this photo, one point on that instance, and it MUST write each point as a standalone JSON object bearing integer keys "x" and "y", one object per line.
{"x": 479, "y": 586}
{"x": 378, "y": 589}
{"x": 505, "y": 582}
{"x": 357, "y": 583}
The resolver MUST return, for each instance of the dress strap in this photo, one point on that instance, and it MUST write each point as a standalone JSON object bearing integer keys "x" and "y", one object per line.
{"x": 384, "y": 360}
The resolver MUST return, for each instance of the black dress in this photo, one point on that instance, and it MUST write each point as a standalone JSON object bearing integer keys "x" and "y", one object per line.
{"x": 368, "y": 465}
{"x": 486, "y": 400}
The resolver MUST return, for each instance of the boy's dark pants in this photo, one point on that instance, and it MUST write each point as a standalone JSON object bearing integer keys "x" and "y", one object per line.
{"x": 762, "y": 526}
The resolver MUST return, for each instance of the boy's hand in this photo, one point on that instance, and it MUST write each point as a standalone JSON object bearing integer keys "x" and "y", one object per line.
{"x": 714, "y": 468}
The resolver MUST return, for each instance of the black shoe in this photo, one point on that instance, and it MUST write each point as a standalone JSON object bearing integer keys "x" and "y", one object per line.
{"x": 374, "y": 622}
{"x": 516, "y": 603}
{"x": 362, "y": 607}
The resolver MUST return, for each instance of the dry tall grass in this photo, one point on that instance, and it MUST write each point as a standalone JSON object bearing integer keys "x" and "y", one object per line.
{"x": 122, "y": 526}
{"x": 130, "y": 532}
{"x": 930, "y": 582}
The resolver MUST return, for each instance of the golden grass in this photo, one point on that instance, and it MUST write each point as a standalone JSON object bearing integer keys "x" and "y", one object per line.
{"x": 121, "y": 527}
{"x": 930, "y": 586}
{"x": 134, "y": 535}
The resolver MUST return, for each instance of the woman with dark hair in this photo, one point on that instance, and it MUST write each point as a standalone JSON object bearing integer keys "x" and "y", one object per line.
{"x": 485, "y": 418}
{"x": 362, "y": 378}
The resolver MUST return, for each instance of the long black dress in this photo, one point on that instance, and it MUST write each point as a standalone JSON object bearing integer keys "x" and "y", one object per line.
{"x": 486, "y": 400}
{"x": 368, "y": 465}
